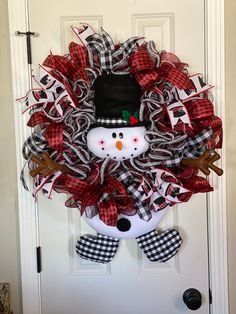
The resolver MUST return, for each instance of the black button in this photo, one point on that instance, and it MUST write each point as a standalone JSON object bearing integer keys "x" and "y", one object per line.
{"x": 123, "y": 224}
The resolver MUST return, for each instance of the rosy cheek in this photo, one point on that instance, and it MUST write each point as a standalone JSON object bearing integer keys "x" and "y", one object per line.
{"x": 135, "y": 140}
{"x": 101, "y": 142}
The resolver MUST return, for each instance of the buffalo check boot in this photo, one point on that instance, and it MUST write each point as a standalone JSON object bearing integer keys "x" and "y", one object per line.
{"x": 100, "y": 248}
{"x": 160, "y": 247}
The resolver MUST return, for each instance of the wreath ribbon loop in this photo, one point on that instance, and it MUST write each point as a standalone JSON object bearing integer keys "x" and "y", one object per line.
{"x": 202, "y": 112}
{"x": 54, "y": 137}
{"x": 161, "y": 190}
{"x": 55, "y": 91}
{"x": 73, "y": 68}
{"x": 193, "y": 182}
{"x": 142, "y": 67}
{"x": 178, "y": 78}
{"x": 110, "y": 198}
{"x": 202, "y": 108}
{"x": 110, "y": 55}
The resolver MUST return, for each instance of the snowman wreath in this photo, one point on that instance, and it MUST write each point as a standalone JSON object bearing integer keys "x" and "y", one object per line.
{"x": 124, "y": 130}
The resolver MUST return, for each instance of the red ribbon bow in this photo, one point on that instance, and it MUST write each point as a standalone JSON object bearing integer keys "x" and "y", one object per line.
{"x": 193, "y": 182}
{"x": 201, "y": 111}
{"x": 54, "y": 136}
{"x": 111, "y": 197}
{"x": 73, "y": 68}
{"x": 172, "y": 70}
{"x": 142, "y": 66}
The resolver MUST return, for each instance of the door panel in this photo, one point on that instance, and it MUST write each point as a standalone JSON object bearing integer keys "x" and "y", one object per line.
{"x": 130, "y": 284}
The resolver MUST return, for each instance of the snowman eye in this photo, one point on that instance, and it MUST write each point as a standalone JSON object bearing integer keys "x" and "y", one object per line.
{"x": 114, "y": 135}
{"x": 120, "y": 135}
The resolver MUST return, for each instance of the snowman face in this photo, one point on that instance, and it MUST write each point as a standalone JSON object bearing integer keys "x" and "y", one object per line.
{"x": 117, "y": 143}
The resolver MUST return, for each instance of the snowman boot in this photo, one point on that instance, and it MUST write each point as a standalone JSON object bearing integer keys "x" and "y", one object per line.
{"x": 100, "y": 248}
{"x": 160, "y": 247}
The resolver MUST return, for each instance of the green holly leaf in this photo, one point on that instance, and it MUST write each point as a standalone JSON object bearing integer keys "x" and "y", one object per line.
{"x": 126, "y": 115}
{"x": 136, "y": 114}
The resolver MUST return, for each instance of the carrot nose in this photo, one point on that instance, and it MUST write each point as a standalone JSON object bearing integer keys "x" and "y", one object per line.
{"x": 119, "y": 145}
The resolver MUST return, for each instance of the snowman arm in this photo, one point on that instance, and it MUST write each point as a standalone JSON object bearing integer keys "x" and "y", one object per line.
{"x": 204, "y": 162}
{"x": 100, "y": 248}
{"x": 47, "y": 166}
{"x": 160, "y": 247}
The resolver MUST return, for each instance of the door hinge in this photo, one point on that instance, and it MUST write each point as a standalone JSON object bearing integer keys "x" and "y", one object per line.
{"x": 210, "y": 296}
{"x": 38, "y": 257}
{"x": 28, "y": 43}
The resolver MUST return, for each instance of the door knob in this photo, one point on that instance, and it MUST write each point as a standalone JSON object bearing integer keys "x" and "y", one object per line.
{"x": 193, "y": 299}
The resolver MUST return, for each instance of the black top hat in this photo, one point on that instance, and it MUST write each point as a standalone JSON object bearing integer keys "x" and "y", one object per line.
{"x": 117, "y": 101}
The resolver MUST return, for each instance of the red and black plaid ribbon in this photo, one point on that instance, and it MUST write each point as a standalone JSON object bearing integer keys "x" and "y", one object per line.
{"x": 201, "y": 112}
{"x": 192, "y": 181}
{"x": 38, "y": 118}
{"x": 54, "y": 136}
{"x": 199, "y": 109}
{"x": 142, "y": 67}
{"x": 80, "y": 61}
{"x": 73, "y": 68}
{"x": 60, "y": 63}
{"x": 111, "y": 198}
{"x": 198, "y": 184}
{"x": 215, "y": 123}
{"x": 177, "y": 78}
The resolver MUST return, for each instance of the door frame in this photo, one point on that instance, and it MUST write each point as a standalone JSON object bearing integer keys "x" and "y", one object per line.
{"x": 28, "y": 218}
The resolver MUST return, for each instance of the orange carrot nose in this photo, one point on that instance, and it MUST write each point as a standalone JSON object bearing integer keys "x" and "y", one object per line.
{"x": 119, "y": 145}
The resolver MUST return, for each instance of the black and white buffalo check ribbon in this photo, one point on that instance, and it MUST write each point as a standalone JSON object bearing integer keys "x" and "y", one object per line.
{"x": 142, "y": 207}
{"x": 100, "y": 248}
{"x": 193, "y": 148}
{"x": 109, "y": 121}
{"x": 160, "y": 247}
{"x": 110, "y": 57}
{"x": 35, "y": 144}
{"x": 162, "y": 191}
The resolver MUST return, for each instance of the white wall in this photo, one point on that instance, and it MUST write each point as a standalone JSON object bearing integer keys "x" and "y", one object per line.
{"x": 9, "y": 244}
{"x": 230, "y": 130}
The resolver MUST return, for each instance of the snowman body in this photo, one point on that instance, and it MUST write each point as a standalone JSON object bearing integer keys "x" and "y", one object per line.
{"x": 120, "y": 144}
{"x": 124, "y": 141}
{"x": 128, "y": 227}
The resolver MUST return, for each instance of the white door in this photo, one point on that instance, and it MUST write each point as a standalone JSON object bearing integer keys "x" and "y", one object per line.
{"x": 130, "y": 284}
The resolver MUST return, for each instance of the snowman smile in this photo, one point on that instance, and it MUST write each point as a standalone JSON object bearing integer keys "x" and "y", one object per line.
{"x": 117, "y": 143}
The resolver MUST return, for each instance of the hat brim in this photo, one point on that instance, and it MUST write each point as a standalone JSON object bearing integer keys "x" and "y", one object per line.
{"x": 119, "y": 126}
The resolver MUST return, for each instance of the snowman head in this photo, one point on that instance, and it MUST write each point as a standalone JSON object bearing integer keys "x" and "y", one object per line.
{"x": 117, "y": 143}
{"x": 118, "y": 134}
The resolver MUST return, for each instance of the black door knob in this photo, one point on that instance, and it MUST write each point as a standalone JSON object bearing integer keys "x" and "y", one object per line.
{"x": 193, "y": 299}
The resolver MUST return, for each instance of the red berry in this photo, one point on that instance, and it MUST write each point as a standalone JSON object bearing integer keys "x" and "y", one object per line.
{"x": 133, "y": 120}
